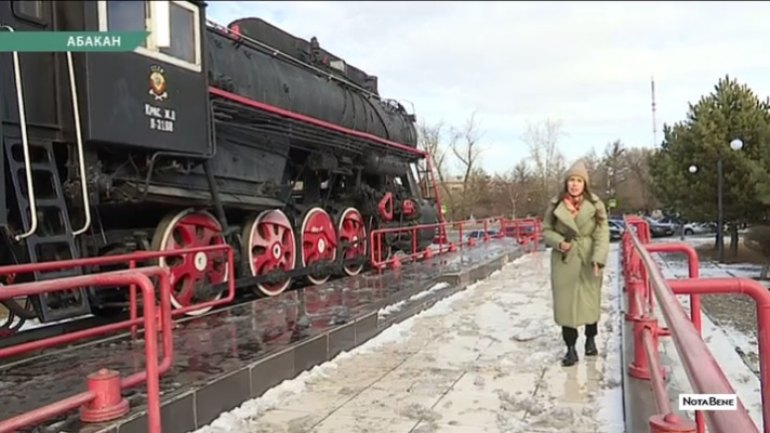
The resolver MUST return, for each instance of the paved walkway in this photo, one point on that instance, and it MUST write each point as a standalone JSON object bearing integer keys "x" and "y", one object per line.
{"x": 484, "y": 360}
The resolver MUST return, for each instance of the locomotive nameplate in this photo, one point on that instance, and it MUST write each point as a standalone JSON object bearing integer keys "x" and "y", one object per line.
{"x": 161, "y": 119}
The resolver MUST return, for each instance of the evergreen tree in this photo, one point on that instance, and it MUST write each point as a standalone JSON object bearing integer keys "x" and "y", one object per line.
{"x": 731, "y": 111}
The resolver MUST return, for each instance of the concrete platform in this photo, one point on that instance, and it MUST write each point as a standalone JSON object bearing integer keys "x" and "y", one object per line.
{"x": 232, "y": 355}
{"x": 484, "y": 360}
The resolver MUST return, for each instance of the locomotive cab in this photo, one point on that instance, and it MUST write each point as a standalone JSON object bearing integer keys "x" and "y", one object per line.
{"x": 156, "y": 96}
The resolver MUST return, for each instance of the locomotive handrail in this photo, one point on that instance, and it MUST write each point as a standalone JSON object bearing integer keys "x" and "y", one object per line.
{"x": 312, "y": 121}
{"x": 103, "y": 400}
{"x": 24, "y": 142}
{"x": 644, "y": 281}
{"x": 429, "y": 164}
{"x": 79, "y": 138}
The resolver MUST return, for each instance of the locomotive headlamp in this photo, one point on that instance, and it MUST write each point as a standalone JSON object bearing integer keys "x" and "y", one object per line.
{"x": 161, "y": 23}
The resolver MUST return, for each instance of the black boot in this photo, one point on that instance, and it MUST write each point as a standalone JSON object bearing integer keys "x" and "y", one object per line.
{"x": 591, "y": 347}
{"x": 570, "y": 358}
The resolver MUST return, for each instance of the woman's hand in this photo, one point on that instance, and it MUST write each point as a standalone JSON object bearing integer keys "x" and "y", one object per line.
{"x": 565, "y": 246}
{"x": 597, "y": 270}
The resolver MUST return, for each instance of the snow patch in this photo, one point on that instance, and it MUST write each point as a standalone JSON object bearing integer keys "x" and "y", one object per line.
{"x": 398, "y": 306}
{"x": 35, "y": 323}
{"x": 240, "y": 418}
{"x": 611, "y": 414}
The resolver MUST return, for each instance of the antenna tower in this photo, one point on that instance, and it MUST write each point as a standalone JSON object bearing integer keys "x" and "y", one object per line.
{"x": 654, "y": 122}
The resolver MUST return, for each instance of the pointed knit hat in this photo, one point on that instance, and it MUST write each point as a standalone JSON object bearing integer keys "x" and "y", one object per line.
{"x": 578, "y": 169}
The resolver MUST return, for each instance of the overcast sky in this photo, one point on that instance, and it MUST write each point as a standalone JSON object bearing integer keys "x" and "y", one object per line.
{"x": 586, "y": 64}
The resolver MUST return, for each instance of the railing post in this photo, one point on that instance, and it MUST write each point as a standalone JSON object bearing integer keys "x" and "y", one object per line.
{"x": 634, "y": 287}
{"x": 670, "y": 423}
{"x": 108, "y": 403}
{"x": 639, "y": 368}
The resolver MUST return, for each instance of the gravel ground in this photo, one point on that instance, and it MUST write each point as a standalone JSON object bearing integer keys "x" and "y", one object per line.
{"x": 739, "y": 312}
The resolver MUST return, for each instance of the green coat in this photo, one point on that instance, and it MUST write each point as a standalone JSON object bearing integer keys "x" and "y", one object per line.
{"x": 576, "y": 291}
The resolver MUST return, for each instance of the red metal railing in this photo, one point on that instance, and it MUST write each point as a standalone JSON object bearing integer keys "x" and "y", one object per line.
{"x": 130, "y": 260}
{"x": 645, "y": 283}
{"x": 527, "y": 231}
{"x": 103, "y": 401}
{"x": 529, "y": 238}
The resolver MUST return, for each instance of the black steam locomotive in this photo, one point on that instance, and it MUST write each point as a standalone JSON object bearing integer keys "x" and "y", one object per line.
{"x": 243, "y": 135}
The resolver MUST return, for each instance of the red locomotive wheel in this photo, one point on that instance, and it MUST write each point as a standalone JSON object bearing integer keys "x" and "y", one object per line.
{"x": 318, "y": 241}
{"x": 269, "y": 244}
{"x": 192, "y": 273}
{"x": 352, "y": 231}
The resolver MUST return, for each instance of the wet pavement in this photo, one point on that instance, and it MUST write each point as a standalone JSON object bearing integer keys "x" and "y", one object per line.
{"x": 224, "y": 341}
{"x": 486, "y": 359}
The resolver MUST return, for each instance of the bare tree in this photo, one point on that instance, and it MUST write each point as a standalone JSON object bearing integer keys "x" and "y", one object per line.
{"x": 467, "y": 149}
{"x": 621, "y": 173}
{"x": 514, "y": 189}
{"x": 479, "y": 197}
{"x": 595, "y": 170}
{"x": 549, "y": 163}
{"x": 636, "y": 161}
{"x": 430, "y": 139}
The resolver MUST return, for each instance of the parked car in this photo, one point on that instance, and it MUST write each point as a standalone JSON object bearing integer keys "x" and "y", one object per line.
{"x": 674, "y": 223}
{"x": 479, "y": 234}
{"x": 616, "y": 229}
{"x": 699, "y": 228}
{"x": 658, "y": 230}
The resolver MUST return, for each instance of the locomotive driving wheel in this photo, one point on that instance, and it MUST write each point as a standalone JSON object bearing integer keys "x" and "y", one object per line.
{"x": 317, "y": 242}
{"x": 192, "y": 275}
{"x": 353, "y": 242}
{"x": 269, "y": 245}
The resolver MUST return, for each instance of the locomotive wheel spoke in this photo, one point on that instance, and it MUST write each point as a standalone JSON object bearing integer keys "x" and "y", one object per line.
{"x": 191, "y": 273}
{"x": 318, "y": 242}
{"x": 353, "y": 240}
{"x": 268, "y": 245}
{"x": 184, "y": 289}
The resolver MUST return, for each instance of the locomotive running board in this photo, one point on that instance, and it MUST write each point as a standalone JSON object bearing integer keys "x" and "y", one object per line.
{"x": 52, "y": 208}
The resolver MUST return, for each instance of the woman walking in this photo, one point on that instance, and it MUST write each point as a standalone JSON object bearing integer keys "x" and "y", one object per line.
{"x": 575, "y": 226}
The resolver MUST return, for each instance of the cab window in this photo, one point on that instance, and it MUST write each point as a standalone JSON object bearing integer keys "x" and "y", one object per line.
{"x": 126, "y": 16}
{"x": 184, "y": 19}
{"x": 28, "y": 9}
{"x": 182, "y": 33}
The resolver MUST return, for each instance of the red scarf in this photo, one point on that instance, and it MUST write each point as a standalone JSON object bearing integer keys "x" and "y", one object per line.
{"x": 573, "y": 204}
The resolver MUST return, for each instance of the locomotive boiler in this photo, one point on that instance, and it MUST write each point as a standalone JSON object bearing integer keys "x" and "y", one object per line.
{"x": 244, "y": 135}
